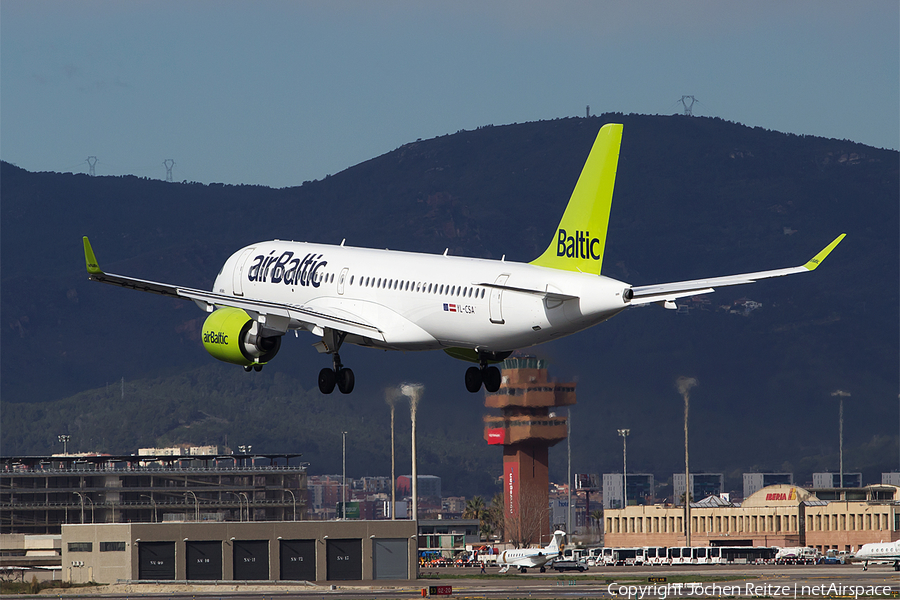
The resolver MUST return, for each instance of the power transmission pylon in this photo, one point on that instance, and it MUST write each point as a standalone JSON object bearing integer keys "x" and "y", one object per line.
{"x": 169, "y": 163}
{"x": 92, "y": 162}
{"x": 688, "y": 107}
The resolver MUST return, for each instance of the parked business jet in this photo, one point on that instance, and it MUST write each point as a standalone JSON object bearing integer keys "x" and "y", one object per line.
{"x": 473, "y": 309}
{"x": 880, "y": 552}
{"x": 532, "y": 558}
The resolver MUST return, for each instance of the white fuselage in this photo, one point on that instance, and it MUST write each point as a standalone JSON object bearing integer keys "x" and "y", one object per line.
{"x": 421, "y": 301}
{"x": 879, "y": 551}
{"x": 527, "y": 557}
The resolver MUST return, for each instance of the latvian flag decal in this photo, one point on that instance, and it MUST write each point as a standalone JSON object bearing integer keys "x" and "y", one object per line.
{"x": 449, "y": 307}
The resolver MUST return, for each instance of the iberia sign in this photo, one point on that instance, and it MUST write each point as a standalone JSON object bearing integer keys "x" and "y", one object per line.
{"x": 791, "y": 495}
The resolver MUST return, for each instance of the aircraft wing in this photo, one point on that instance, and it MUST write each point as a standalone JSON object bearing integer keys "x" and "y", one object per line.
{"x": 274, "y": 315}
{"x": 666, "y": 293}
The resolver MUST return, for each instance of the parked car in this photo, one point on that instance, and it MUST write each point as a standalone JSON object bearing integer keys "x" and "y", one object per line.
{"x": 569, "y": 565}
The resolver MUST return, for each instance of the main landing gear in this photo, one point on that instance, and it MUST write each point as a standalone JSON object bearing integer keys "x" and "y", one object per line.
{"x": 255, "y": 367}
{"x": 339, "y": 375}
{"x": 489, "y": 376}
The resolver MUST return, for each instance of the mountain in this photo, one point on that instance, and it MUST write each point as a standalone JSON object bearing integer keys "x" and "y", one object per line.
{"x": 694, "y": 197}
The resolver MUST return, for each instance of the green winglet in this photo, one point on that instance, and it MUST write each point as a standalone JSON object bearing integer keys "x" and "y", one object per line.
{"x": 92, "y": 267}
{"x": 816, "y": 260}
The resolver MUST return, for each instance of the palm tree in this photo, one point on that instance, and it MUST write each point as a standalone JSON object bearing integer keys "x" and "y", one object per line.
{"x": 474, "y": 508}
{"x": 597, "y": 516}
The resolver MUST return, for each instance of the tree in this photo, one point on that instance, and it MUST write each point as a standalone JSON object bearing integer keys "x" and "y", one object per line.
{"x": 597, "y": 517}
{"x": 524, "y": 525}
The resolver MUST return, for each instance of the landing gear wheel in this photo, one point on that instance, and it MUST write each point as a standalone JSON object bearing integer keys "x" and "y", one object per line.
{"x": 473, "y": 379}
{"x": 257, "y": 368}
{"x": 523, "y": 570}
{"x": 491, "y": 377}
{"x": 543, "y": 570}
{"x": 345, "y": 381}
{"x": 248, "y": 368}
{"x": 326, "y": 381}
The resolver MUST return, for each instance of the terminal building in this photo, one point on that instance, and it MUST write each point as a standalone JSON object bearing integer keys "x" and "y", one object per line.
{"x": 778, "y": 515}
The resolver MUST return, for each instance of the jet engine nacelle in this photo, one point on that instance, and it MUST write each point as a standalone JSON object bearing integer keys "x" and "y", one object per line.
{"x": 230, "y": 335}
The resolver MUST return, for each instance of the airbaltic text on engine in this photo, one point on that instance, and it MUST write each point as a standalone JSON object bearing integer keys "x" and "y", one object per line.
{"x": 581, "y": 245}
{"x": 215, "y": 337}
{"x": 286, "y": 269}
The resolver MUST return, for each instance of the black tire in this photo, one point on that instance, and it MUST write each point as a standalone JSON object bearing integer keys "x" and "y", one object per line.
{"x": 345, "y": 381}
{"x": 473, "y": 379}
{"x": 491, "y": 377}
{"x": 543, "y": 570}
{"x": 257, "y": 368}
{"x": 248, "y": 368}
{"x": 326, "y": 381}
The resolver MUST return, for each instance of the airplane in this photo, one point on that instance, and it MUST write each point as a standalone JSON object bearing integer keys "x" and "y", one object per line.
{"x": 474, "y": 309}
{"x": 532, "y": 558}
{"x": 879, "y": 551}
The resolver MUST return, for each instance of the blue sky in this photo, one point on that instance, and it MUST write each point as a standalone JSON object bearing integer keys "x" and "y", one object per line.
{"x": 279, "y": 92}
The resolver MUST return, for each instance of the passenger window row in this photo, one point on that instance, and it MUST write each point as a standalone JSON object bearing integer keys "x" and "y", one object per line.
{"x": 418, "y": 286}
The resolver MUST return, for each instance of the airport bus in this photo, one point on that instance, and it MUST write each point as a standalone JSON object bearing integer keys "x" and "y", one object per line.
{"x": 629, "y": 556}
{"x": 655, "y": 555}
{"x": 747, "y": 555}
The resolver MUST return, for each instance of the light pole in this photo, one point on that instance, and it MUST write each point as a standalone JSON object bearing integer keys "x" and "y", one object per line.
{"x": 294, "y": 498}
{"x": 684, "y": 385}
{"x": 240, "y": 507}
{"x": 344, "y": 477}
{"x": 841, "y": 394}
{"x": 390, "y": 396}
{"x": 571, "y": 483}
{"x": 65, "y": 441}
{"x": 413, "y": 391}
{"x": 624, "y": 433}
{"x": 79, "y": 494}
{"x": 247, "y": 500}
{"x": 196, "y": 505}
{"x": 153, "y": 502}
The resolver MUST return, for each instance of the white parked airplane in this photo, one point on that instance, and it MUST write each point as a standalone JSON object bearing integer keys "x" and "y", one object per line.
{"x": 473, "y": 309}
{"x": 880, "y": 552}
{"x": 532, "y": 558}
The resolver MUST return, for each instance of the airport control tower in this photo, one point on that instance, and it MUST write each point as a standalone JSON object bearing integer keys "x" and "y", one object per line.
{"x": 526, "y": 430}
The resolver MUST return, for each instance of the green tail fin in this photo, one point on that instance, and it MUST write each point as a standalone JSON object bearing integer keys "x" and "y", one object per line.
{"x": 581, "y": 236}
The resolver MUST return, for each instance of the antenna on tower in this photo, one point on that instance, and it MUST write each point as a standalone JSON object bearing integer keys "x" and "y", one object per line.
{"x": 588, "y": 111}
{"x": 688, "y": 107}
{"x": 168, "y": 164}
{"x": 92, "y": 162}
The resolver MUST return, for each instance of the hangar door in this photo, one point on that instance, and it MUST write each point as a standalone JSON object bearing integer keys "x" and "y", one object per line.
{"x": 204, "y": 560}
{"x": 251, "y": 560}
{"x": 156, "y": 560}
{"x": 298, "y": 560}
{"x": 344, "y": 559}
{"x": 391, "y": 558}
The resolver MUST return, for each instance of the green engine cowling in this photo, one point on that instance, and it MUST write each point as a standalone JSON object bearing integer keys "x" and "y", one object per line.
{"x": 230, "y": 335}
